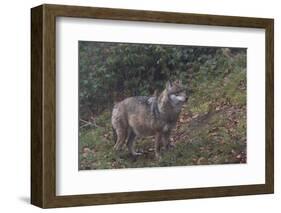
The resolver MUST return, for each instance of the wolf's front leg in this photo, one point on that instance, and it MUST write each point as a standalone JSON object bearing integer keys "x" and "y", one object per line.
{"x": 158, "y": 142}
{"x": 166, "y": 141}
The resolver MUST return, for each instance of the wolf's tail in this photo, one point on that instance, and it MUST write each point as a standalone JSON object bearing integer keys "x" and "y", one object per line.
{"x": 114, "y": 135}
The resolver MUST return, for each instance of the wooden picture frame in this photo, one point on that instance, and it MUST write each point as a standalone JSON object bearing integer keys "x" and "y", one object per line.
{"x": 43, "y": 105}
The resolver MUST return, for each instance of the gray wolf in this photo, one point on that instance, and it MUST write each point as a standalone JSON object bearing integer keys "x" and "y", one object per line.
{"x": 143, "y": 116}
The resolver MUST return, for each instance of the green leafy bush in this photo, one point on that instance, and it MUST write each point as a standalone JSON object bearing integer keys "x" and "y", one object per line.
{"x": 109, "y": 72}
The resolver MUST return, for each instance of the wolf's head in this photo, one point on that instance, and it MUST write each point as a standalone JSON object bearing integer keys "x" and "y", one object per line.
{"x": 172, "y": 98}
{"x": 176, "y": 92}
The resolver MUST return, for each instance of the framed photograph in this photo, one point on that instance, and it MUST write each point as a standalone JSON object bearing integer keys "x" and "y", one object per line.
{"x": 137, "y": 106}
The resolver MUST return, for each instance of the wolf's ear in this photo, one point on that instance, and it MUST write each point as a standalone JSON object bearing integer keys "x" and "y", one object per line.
{"x": 169, "y": 85}
{"x": 178, "y": 82}
{"x": 156, "y": 93}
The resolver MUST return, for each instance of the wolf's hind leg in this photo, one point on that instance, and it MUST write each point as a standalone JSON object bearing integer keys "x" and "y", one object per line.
{"x": 121, "y": 138}
{"x": 130, "y": 143}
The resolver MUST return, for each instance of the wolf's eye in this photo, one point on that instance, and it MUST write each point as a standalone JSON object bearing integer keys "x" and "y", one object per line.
{"x": 179, "y": 92}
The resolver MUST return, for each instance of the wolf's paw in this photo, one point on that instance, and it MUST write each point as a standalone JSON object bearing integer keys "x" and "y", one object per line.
{"x": 135, "y": 156}
{"x": 158, "y": 157}
{"x": 170, "y": 146}
{"x": 136, "y": 153}
{"x": 119, "y": 147}
{"x": 116, "y": 147}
